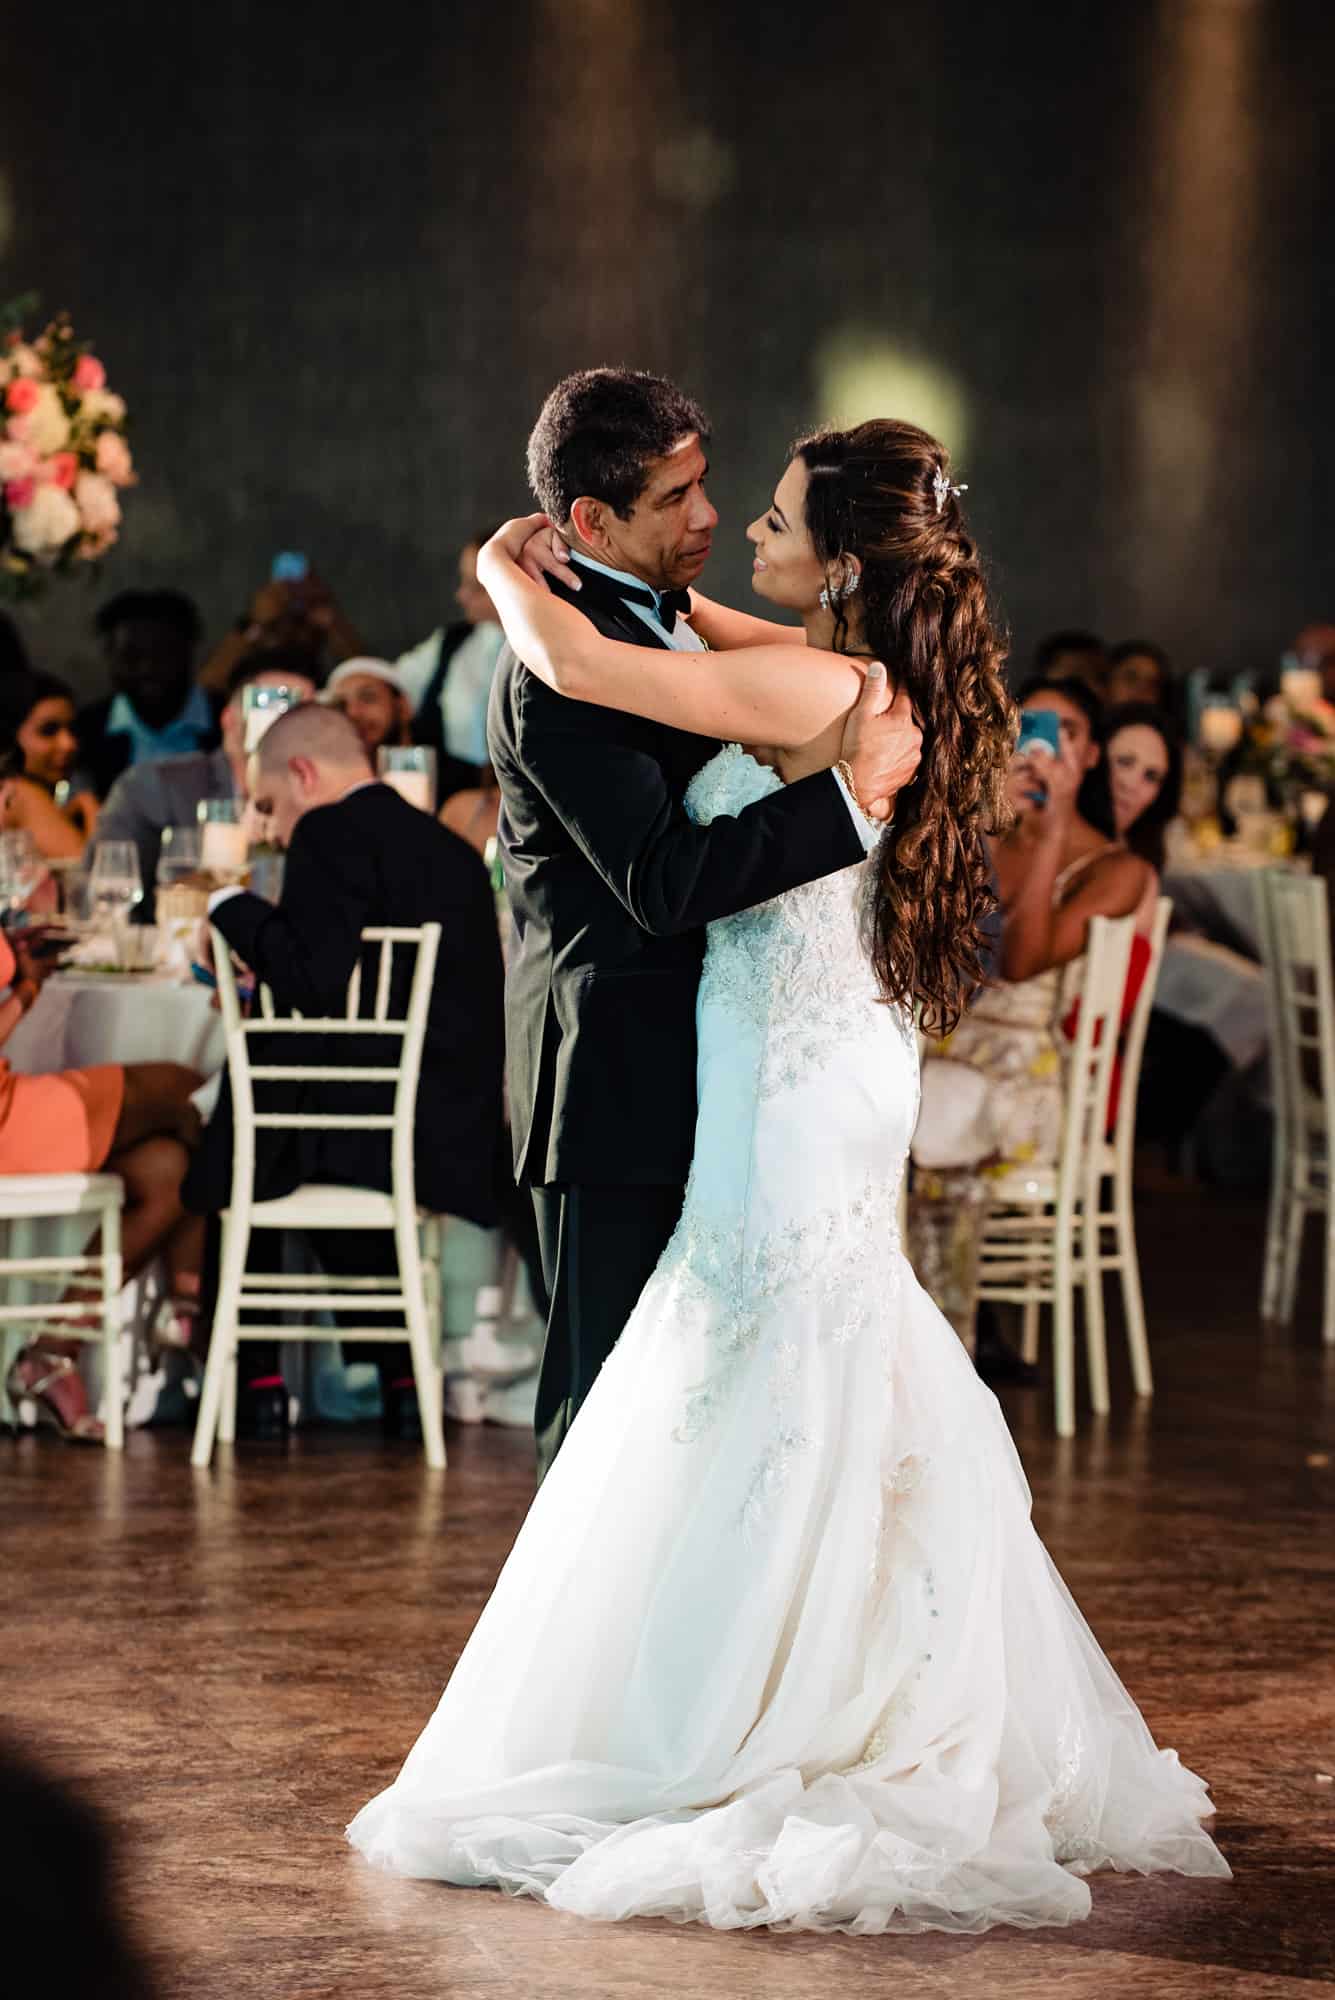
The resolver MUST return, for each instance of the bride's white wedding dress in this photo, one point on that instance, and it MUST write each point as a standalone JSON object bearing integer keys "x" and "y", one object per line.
{"x": 777, "y": 1643}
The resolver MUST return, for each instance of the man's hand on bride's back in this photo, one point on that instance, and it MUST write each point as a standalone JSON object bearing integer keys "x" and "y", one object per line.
{"x": 882, "y": 743}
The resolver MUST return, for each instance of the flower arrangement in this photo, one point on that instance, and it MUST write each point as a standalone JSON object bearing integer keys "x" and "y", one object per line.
{"x": 63, "y": 456}
{"x": 1293, "y": 742}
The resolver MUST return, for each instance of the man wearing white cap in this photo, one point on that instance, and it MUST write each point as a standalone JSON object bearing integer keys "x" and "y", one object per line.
{"x": 375, "y": 699}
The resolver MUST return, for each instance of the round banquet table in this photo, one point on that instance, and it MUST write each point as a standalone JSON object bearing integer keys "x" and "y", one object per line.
{"x": 1211, "y": 976}
{"x": 86, "y": 1017}
{"x": 1220, "y": 900}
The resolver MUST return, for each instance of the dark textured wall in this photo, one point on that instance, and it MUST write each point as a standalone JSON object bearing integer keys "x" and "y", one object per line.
{"x": 333, "y": 260}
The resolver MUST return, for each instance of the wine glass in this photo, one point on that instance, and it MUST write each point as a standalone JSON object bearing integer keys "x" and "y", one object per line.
{"x": 180, "y": 854}
{"x": 22, "y": 869}
{"x": 117, "y": 886}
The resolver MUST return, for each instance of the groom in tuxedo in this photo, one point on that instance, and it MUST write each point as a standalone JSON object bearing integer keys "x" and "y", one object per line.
{"x": 611, "y": 884}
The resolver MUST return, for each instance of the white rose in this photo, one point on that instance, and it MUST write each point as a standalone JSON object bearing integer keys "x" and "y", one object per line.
{"x": 25, "y": 360}
{"x": 48, "y": 427}
{"x": 102, "y": 406}
{"x": 97, "y": 503}
{"x": 43, "y": 529}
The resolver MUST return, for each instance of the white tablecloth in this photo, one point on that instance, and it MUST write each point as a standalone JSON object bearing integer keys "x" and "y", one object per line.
{"x": 80, "y": 1019}
{"x": 1220, "y": 901}
{"x": 1212, "y": 975}
{"x": 1210, "y": 986}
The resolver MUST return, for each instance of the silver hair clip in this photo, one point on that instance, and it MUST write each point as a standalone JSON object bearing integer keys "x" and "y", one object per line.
{"x": 941, "y": 486}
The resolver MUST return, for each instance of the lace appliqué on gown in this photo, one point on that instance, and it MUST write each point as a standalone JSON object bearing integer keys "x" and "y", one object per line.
{"x": 784, "y": 967}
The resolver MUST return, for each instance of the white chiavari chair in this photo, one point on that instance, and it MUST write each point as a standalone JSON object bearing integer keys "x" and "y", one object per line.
{"x": 1295, "y": 948}
{"x": 1039, "y": 1247}
{"x": 415, "y": 1291}
{"x": 26, "y": 1200}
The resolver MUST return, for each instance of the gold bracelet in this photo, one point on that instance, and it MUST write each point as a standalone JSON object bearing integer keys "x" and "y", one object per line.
{"x": 845, "y": 770}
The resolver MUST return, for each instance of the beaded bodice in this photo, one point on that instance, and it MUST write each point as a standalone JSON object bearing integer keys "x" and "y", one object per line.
{"x": 794, "y": 969}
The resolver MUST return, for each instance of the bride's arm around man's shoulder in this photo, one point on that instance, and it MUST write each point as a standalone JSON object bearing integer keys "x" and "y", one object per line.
{"x": 771, "y": 689}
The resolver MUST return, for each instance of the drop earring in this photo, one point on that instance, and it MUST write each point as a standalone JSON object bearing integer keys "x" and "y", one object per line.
{"x": 841, "y": 590}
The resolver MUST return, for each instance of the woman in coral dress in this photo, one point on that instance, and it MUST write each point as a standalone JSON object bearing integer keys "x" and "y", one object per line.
{"x": 134, "y": 1119}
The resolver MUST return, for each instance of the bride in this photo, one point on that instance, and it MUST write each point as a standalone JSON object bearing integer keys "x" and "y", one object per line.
{"x": 777, "y": 1643}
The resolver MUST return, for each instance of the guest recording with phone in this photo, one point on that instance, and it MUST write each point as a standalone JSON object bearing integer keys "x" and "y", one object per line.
{"x": 294, "y": 611}
{"x": 992, "y": 1094}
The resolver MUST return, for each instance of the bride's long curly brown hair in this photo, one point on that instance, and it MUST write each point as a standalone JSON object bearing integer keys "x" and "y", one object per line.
{"x": 883, "y": 492}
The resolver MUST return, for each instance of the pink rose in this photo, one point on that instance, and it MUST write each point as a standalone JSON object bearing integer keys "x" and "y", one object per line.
{"x": 19, "y": 428}
{"x": 98, "y": 506}
{"x": 19, "y": 493}
{"x": 61, "y": 469}
{"x": 89, "y": 373}
{"x": 21, "y": 395}
{"x": 17, "y": 461}
{"x": 113, "y": 458}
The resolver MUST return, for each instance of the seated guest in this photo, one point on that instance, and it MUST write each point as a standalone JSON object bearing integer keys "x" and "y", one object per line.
{"x": 168, "y": 793}
{"x": 449, "y": 677}
{"x": 473, "y": 814}
{"x": 1314, "y": 649}
{"x": 1076, "y": 655}
{"x": 359, "y": 855}
{"x": 38, "y": 741}
{"x": 290, "y": 615}
{"x": 1139, "y": 672}
{"x": 1134, "y": 791}
{"x": 132, "y": 1119}
{"x": 1056, "y": 870}
{"x": 155, "y": 708}
{"x": 992, "y": 1092}
{"x": 375, "y": 699}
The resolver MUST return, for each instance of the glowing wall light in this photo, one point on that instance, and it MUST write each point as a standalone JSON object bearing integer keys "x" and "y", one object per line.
{"x": 858, "y": 373}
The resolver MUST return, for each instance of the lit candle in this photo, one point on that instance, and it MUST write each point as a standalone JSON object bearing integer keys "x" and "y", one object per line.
{"x": 223, "y": 846}
{"x": 1221, "y": 728}
{"x": 414, "y": 786}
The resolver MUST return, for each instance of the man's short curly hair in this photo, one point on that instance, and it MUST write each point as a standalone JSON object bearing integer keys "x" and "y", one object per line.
{"x": 597, "y": 432}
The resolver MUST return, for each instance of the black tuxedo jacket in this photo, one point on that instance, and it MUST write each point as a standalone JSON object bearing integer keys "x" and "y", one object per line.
{"x": 611, "y": 885}
{"x": 373, "y": 859}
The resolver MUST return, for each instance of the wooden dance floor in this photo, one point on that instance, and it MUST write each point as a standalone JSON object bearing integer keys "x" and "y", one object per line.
{"x": 231, "y": 1663}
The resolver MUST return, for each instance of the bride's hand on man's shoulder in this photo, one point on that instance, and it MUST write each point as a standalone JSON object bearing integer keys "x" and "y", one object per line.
{"x": 510, "y": 543}
{"x": 537, "y": 546}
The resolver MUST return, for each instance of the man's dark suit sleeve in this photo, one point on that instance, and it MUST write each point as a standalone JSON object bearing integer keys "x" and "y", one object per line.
{"x": 305, "y": 949}
{"x": 613, "y": 798}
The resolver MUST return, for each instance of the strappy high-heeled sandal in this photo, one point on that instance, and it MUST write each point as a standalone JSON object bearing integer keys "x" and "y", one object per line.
{"x": 173, "y": 1325}
{"x": 85, "y": 1429}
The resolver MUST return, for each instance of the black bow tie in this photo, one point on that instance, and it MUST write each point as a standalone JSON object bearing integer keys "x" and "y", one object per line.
{"x": 667, "y": 606}
{"x": 672, "y": 605}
